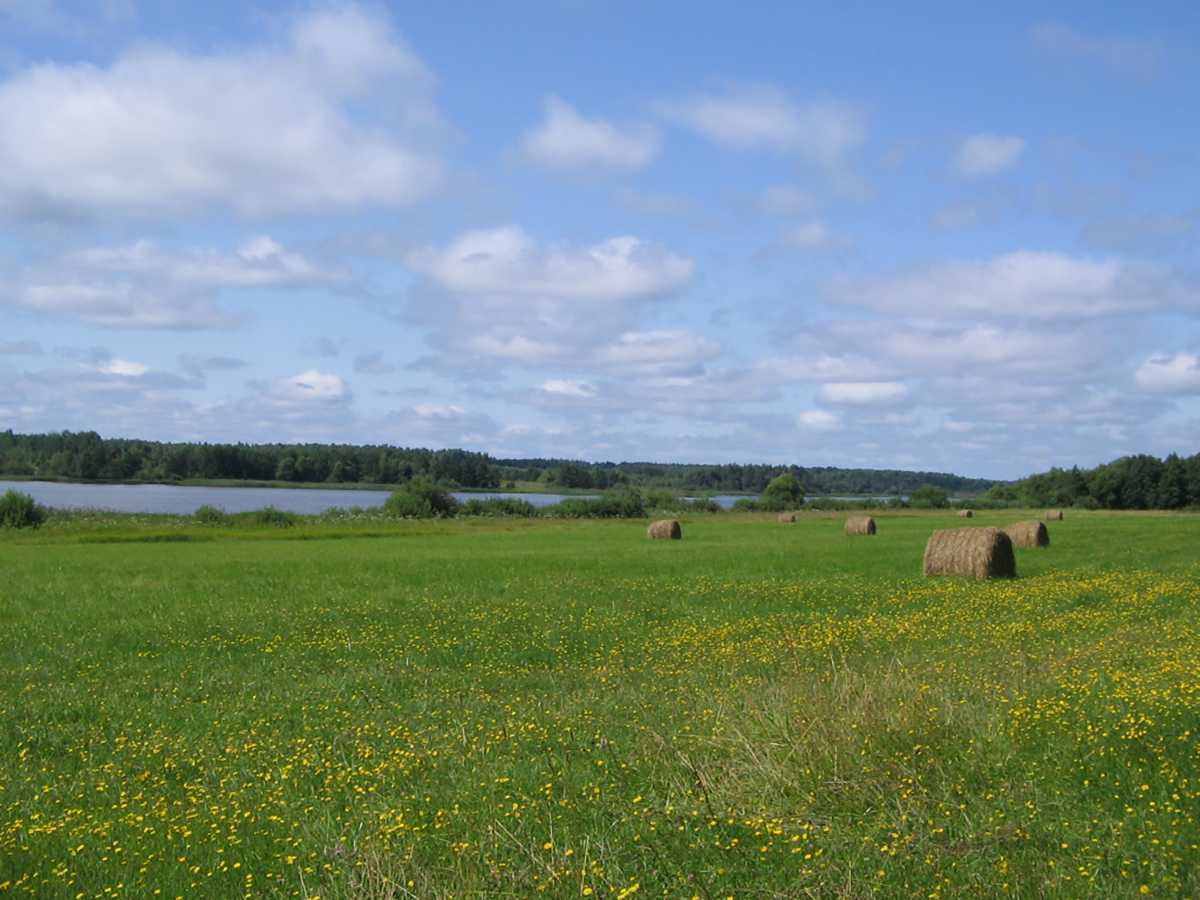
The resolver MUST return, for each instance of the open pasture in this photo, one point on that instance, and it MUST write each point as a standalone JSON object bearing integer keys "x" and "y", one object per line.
{"x": 519, "y": 708}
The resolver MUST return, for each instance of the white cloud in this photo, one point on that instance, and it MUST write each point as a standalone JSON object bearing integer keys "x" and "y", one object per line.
{"x": 824, "y": 367}
{"x": 565, "y": 387}
{"x": 1021, "y": 284}
{"x": 567, "y": 141}
{"x": 1126, "y": 56}
{"x": 123, "y": 367}
{"x": 517, "y": 348}
{"x": 863, "y": 393}
{"x": 749, "y": 116}
{"x": 656, "y": 350}
{"x": 818, "y": 420}
{"x": 1177, "y": 374}
{"x": 439, "y": 411}
{"x": 987, "y": 154}
{"x": 264, "y": 129}
{"x": 143, "y": 285}
{"x": 506, "y": 260}
{"x": 310, "y": 387}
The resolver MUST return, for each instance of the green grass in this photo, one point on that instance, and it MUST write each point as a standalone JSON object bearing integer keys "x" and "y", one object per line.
{"x": 482, "y": 708}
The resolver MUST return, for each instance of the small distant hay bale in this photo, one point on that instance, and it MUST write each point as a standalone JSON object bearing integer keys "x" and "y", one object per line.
{"x": 975, "y": 552}
{"x": 1028, "y": 534}
{"x": 965, "y": 514}
{"x": 787, "y": 517}
{"x": 1053, "y": 515}
{"x": 860, "y": 525}
{"x": 664, "y": 530}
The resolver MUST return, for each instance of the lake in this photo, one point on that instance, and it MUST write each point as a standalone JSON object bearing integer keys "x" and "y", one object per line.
{"x": 184, "y": 500}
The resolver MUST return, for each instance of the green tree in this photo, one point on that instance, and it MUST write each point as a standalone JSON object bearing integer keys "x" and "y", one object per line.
{"x": 782, "y": 492}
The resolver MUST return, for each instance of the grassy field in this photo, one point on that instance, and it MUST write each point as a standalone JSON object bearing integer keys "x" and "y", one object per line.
{"x": 512, "y": 708}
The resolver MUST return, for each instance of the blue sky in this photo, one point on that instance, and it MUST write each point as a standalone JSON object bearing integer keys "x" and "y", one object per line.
{"x": 945, "y": 237}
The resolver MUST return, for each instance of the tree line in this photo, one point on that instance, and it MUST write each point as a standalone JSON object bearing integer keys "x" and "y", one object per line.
{"x": 86, "y": 456}
{"x": 1131, "y": 482}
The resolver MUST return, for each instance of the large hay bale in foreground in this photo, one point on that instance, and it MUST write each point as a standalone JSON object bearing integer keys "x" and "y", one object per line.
{"x": 1053, "y": 515}
{"x": 787, "y": 517}
{"x": 976, "y": 552}
{"x": 860, "y": 525}
{"x": 1028, "y": 534}
{"x": 664, "y": 530}
{"x": 965, "y": 514}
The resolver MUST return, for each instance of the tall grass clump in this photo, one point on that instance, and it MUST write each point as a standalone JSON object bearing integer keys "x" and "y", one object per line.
{"x": 271, "y": 515}
{"x": 210, "y": 515}
{"x": 19, "y": 510}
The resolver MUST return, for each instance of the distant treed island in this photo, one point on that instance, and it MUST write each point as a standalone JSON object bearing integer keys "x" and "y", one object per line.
{"x": 1133, "y": 482}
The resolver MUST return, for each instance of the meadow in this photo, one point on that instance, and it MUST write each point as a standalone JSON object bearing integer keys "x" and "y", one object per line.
{"x": 476, "y": 708}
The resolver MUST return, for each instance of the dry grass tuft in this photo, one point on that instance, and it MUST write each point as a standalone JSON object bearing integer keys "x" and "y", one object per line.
{"x": 976, "y": 552}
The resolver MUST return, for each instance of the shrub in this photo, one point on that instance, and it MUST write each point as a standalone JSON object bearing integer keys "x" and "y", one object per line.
{"x": 618, "y": 503}
{"x": 210, "y": 515}
{"x": 19, "y": 510}
{"x": 270, "y": 515}
{"x": 746, "y": 504}
{"x": 421, "y": 498}
{"x": 497, "y": 507}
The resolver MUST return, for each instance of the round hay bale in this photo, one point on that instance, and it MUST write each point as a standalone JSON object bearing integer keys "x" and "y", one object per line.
{"x": 860, "y": 525}
{"x": 787, "y": 517}
{"x": 664, "y": 530}
{"x": 1028, "y": 534}
{"x": 1053, "y": 515}
{"x": 975, "y": 552}
{"x": 965, "y": 514}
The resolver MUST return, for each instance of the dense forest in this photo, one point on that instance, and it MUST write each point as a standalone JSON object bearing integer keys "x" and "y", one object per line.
{"x": 85, "y": 456}
{"x": 1132, "y": 482}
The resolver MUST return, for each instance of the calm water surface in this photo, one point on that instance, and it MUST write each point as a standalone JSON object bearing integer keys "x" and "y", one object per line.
{"x": 180, "y": 500}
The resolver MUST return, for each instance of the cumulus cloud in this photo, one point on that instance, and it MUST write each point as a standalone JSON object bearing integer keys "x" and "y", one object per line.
{"x": 123, "y": 367}
{"x": 987, "y": 154}
{"x": 311, "y": 387}
{"x": 658, "y": 351}
{"x": 863, "y": 393}
{"x": 160, "y": 130}
{"x": 763, "y": 116}
{"x": 1126, "y": 56}
{"x": 566, "y": 387}
{"x": 508, "y": 260}
{"x": 569, "y": 141}
{"x": 144, "y": 285}
{"x": 439, "y": 411}
{"x": 1175, "y": 374}
{"x": 1021, "y": 284}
